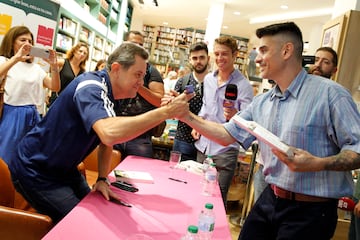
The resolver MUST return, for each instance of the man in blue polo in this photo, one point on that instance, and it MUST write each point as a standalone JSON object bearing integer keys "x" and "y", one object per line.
{"x": 44, "y": 169}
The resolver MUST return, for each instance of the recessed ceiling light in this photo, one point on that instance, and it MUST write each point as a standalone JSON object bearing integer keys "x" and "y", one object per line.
{"x": 165, "y": 23}
{"x": 236, "y": 13}
{"x": 284, "y": 7}
{"x": 225, "y": 27}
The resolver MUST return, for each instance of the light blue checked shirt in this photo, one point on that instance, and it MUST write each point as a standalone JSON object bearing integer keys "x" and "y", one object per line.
{"x": 315, "y": 114}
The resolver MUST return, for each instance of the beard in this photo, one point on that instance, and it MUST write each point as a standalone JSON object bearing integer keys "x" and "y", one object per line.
{"x": 200, "y": 70}
{"x": 319, "y": 72}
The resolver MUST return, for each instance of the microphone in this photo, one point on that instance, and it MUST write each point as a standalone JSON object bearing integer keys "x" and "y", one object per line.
{"x": 231, "y": 93}
{"x": 347, "y": 203}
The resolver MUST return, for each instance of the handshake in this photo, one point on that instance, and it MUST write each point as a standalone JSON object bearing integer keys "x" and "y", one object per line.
{"x": 171, "y": 95}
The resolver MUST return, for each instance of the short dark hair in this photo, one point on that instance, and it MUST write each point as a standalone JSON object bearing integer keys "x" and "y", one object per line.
{"x": 126, "y": 37}
{"x": 289, "y": 29}
{"x": 332, "y": 52}
{"x": 198, "y": 46}
{"x": 125, "y": 55}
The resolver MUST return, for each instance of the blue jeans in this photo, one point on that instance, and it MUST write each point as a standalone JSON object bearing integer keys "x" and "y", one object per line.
{"x": 188, "y": 150}
{"x": 55, "y": 201}
{"x": 225, "y": 165}
{"x": 273, "y": 218}
{"x": 140, "y": 146}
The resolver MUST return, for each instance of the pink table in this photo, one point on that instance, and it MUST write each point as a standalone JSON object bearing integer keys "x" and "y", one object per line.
{"x": 162, "y": 210}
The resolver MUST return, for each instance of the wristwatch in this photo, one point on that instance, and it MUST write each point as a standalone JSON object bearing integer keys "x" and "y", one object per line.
{"x": 103, "y": 179}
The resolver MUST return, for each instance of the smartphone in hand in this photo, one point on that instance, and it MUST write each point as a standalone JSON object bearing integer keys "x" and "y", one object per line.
{"x": 189, "y": 89}
{"x": 39, "y": 52}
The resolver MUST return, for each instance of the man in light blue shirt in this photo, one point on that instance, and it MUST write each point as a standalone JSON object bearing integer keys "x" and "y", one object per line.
{"x": 315, "y": 116}
{"x": 215, "y": 84}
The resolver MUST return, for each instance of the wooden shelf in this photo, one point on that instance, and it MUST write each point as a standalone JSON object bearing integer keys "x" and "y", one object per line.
{"x": 169, "y": 46}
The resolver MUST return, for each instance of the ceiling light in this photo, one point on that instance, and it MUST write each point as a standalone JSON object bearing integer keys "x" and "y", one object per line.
{"x": 237, "y": 13}
{"x": 284, "y": 7}
{"x": 149, "y": 2}
{"x": 165, "y": 23}
{"x": 292, "y": 15}
{"x": 225, "y": 27}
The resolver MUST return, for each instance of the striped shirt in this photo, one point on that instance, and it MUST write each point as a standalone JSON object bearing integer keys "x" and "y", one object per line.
{"x": 315, "y": 114}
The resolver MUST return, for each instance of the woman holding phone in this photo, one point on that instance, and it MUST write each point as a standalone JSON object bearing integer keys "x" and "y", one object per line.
{"x": 71, "y": 66}
{"x": 24, "y": 83}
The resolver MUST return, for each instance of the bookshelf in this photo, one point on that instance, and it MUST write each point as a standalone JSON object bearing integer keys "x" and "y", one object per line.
{"x": 241, "y": 59}
{"x": 94, "y": 22}
{"x": 149, "y": 37}
{"x": 168, "y": 46}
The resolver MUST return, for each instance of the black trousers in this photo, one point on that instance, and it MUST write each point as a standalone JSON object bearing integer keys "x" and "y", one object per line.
{"x": 275, "y": 218}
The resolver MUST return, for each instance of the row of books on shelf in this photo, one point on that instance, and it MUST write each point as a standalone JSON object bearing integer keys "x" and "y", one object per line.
{"x": 64, "y": 42}
{"x": 67, "y": 25}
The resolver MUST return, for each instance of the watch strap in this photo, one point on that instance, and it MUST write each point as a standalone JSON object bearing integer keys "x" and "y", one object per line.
{"x": 103, "y": 179}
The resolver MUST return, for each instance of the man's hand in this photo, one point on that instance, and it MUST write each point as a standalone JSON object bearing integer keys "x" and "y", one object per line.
{"x": 229, "y": 112}
{"x": 178, "y": 107}
{"x": 302, "y": 161}
{"x": 168, "y": 97}
{"x": 171, "y": 95}
{"x": 104, "y": 188}
{"x": 195, "y": 134}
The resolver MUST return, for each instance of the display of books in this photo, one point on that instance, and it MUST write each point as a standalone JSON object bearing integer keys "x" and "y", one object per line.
{"x": 133, "y": 176}
{"x": 262, "y": 134}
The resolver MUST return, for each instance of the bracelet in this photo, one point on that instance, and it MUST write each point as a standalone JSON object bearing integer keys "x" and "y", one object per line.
{"x": 55, "y": 70}
{"x": 104, "y": 179}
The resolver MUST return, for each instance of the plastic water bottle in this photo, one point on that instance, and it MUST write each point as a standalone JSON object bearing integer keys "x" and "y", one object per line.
{"x": 206, "y": 222}
{"x": 206, "y": 164}
{"x": 191, "y": 234}
{"x": 210, "y": 180}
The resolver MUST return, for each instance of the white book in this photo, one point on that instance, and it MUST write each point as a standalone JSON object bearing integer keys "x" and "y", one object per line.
{"x": 133, "y": 176}
{"x": 264, "y": 135}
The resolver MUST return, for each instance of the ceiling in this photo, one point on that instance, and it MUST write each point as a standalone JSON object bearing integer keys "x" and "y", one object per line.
{"x": 193, "y": 13}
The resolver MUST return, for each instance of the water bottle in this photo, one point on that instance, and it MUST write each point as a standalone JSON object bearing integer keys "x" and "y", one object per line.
{"x": 210, "y": 180}
{"x": 191, "y": 234}
{"x": 206, "y": 164}
{"x": 206, "y": 222}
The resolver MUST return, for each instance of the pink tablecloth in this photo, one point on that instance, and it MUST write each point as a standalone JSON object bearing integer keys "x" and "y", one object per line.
{"x": 161, "y": 210}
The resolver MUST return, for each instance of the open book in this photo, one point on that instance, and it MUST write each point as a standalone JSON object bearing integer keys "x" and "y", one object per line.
{"x": 262, "y": 134}
{"x": 133, "y": 176}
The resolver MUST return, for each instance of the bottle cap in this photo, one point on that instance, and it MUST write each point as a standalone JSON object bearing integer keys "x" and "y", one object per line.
{"x": 213, "y": 164}
{"x": 192, "y": 229}
{"x": 209, "y": 206}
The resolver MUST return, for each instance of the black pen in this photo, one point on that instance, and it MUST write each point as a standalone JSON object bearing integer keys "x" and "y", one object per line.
{"x": 177, "y": 180}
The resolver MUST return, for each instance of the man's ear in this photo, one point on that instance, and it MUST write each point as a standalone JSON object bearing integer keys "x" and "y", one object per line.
{"x": 115, "y": 66}
{"x": 334, "y": 71}
{"x": 288, "y": 50}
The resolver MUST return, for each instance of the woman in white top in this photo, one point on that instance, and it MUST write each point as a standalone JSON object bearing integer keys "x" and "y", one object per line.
{"x": 24, "y": 84}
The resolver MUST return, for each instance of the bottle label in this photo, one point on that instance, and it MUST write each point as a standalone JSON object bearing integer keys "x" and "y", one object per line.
{"x": 206, "y": 225}
{"x": 211, "y": 176}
